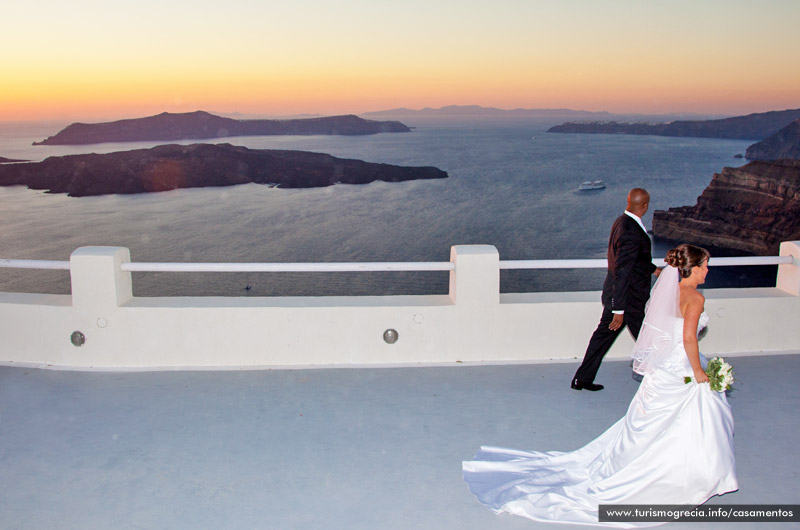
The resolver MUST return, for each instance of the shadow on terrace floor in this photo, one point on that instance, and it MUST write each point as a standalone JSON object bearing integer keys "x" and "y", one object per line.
{"x": 366, "y": 448}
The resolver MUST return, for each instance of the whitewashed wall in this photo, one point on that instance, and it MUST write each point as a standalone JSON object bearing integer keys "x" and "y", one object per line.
{"x": 475, "y": 323}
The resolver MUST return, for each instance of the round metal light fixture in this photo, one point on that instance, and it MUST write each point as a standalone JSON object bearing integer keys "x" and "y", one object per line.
{"x": 77, "y": 338}
{"x": 390, "y": 336}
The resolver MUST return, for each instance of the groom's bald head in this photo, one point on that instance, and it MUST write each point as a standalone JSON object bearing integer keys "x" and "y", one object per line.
{"x": 638, "y": 201}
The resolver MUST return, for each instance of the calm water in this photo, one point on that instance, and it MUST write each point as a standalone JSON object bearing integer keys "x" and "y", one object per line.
{"x": 511, "y": 185}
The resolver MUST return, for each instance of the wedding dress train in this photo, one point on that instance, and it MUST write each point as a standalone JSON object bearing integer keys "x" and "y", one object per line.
{"x": 674, "y": 446}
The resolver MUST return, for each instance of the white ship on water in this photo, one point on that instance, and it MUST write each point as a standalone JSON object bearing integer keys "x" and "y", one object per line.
{"x": 592, "y": 185}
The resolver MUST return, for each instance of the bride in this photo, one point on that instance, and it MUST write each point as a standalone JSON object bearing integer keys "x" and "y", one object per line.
{"x": 674, "y": 445}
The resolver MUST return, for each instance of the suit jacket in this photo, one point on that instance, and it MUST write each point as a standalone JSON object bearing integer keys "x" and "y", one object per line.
{"x": 630, "y": 266}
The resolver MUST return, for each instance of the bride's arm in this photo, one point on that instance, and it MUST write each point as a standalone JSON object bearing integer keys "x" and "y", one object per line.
{"x": 691, "y": 318}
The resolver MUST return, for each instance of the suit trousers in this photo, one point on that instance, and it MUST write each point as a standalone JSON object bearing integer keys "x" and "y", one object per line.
{"x": 603, "y": 338}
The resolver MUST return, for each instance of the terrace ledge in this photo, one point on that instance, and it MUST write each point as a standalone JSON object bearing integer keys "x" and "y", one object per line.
{"x": 473, "y": 324}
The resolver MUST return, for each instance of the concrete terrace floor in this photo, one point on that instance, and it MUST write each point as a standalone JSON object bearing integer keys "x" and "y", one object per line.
{"x": 355, "y": 448}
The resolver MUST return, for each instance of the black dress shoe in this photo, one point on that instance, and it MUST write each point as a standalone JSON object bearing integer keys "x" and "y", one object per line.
{"x": 580, "y": 385}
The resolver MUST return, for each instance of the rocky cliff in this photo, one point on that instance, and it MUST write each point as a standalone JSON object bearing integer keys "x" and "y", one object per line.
{"x": 168, "y": 167}
{"x": 783, "y": 144}
{"x": 750, "y": 209}
{"x": 202, "y": 125}
{"x": 752, "y": 126}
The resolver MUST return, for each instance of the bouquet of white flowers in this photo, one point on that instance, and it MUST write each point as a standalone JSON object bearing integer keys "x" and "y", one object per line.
{"x": 720, "y": 374}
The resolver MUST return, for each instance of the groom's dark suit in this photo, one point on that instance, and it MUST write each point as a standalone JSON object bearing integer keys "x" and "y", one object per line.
{"x": 627, "y": 288}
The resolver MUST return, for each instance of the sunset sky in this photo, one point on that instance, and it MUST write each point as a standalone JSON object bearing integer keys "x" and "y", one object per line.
{"x": 107, "y": 59}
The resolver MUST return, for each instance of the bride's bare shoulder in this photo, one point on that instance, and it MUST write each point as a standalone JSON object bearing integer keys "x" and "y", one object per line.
{"x": 692, "y": 300}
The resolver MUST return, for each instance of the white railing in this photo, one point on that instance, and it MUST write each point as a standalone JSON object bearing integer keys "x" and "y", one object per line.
{"x": 34, "y": 264}
{"x": 288, "y": 267}
{"x": 602, "y": 263}
{"x": 372, "y": 266}
{"x": 101, "y": 324}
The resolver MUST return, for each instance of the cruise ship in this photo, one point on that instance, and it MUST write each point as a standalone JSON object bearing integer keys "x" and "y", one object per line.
{"x": 592, "y": 185}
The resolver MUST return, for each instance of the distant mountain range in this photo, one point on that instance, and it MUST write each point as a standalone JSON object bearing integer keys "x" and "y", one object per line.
{"x": 476, "y": 111}
{"x": 168, "y": 167}
{"x": 201, "y": 125}
{"x": 751, "y": 127}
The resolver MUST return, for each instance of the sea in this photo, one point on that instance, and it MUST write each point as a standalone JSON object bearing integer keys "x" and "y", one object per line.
{"x": 511, "y": 184}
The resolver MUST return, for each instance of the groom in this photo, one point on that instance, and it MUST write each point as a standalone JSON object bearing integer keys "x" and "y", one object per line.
{"x": 626, "y": 289}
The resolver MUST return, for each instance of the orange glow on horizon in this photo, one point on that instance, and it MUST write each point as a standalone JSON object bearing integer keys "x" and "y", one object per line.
{"x": 74, "y": 62}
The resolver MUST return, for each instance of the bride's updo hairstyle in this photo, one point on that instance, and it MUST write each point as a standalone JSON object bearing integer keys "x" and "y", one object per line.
{"x": 685, "y": 257}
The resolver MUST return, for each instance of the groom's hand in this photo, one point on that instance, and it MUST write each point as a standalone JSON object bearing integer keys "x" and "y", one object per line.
{"x": 616, "y": 322}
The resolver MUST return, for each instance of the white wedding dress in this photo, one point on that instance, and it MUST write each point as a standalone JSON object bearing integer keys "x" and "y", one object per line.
{"x": 674, "y": 446}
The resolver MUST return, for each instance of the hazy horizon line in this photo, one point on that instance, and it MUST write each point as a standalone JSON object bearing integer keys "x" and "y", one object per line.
{"x": 427, "y": 111}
